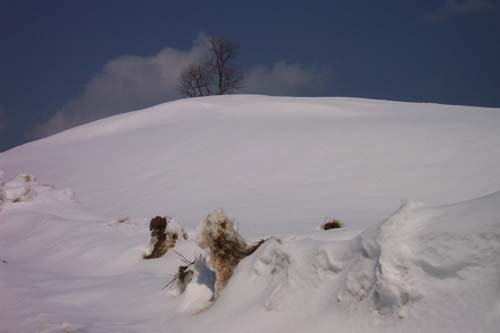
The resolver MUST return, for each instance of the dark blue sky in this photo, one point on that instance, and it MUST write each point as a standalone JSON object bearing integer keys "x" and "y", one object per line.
{"x": 424, "y": 51}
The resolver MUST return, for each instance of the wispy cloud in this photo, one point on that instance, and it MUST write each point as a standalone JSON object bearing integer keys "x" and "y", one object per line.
{"x": 283, "y": 78}
{"x": 126, "y": 83}
{"x": 130, "y": 83}
{"x": 452, "y": 8}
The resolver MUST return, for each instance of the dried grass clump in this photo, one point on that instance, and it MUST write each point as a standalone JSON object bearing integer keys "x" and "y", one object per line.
{"x": 331, "y": 223}
{"x": 17, "y": 190}
{"x": 164, "y": 234}
{"x": 224, "y": 245}
{"x": 28, "y": 178}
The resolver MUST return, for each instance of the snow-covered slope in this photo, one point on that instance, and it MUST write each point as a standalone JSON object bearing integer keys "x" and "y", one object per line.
{"x": 271, "y": 160}
{"x": 71, "y": 262}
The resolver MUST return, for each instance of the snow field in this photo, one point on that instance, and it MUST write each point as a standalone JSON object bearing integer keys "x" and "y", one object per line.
{"x": 72, "y": 262}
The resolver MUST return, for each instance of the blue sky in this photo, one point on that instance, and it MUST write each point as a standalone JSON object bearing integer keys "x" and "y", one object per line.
{"x": 67, "y": 62}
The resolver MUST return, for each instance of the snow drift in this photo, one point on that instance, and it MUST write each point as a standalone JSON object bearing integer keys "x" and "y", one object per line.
{"x": 73, "y": 262}
{"x": 423, "y": 269}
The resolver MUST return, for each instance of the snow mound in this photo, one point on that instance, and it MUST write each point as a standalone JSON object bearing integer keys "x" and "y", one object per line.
{"x": 432, "y": 267}
{"x": 200, "y": 292}
{"x": 417, "y": 251}
{"x": 25, "y": 188}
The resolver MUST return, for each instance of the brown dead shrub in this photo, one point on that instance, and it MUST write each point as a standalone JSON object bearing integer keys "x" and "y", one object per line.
{"x": 331, "y": 223}
{"x": 224, "y": 245}
{"x": 163, "y": 238}
{"x": 28, "y": 178}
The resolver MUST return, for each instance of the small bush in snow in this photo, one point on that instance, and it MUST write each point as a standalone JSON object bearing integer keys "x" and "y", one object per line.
{"x": 18, "y": 189}
{"x": 164, "y": 234}
{"x": 224, "y": 245}
{"x": 196, "y": 284}
{"x": 184, "y": 276}
{"x": 331, "y": 223}
{"x": 197, "y": 279}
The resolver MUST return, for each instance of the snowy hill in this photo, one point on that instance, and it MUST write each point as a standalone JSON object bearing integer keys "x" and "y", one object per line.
{"x": 279, "y": 166}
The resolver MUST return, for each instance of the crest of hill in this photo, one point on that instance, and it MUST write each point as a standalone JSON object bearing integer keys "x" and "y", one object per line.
{"x": 296, "y": 160}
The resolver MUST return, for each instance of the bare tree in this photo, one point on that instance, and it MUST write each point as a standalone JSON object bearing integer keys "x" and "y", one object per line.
{"x": 222, "y": 54}
{"x": 216, "y": 75}
{"x": 195, "y": 81}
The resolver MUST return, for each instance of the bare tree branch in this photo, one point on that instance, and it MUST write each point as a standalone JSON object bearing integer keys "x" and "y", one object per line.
{"x": 217, "y": 74}
{"x": 195, "y": 81}
{"x": 222, "y": 54}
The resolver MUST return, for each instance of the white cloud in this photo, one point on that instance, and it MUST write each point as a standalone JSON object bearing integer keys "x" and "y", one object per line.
{"x": 287, "y": 79}
{"x": 126, "y": 83}
{"x": 130, "y": 83}
{"x": 452, "y": 8}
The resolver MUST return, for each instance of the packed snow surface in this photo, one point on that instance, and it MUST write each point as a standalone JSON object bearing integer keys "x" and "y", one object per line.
{"x": 416, "y": 186}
